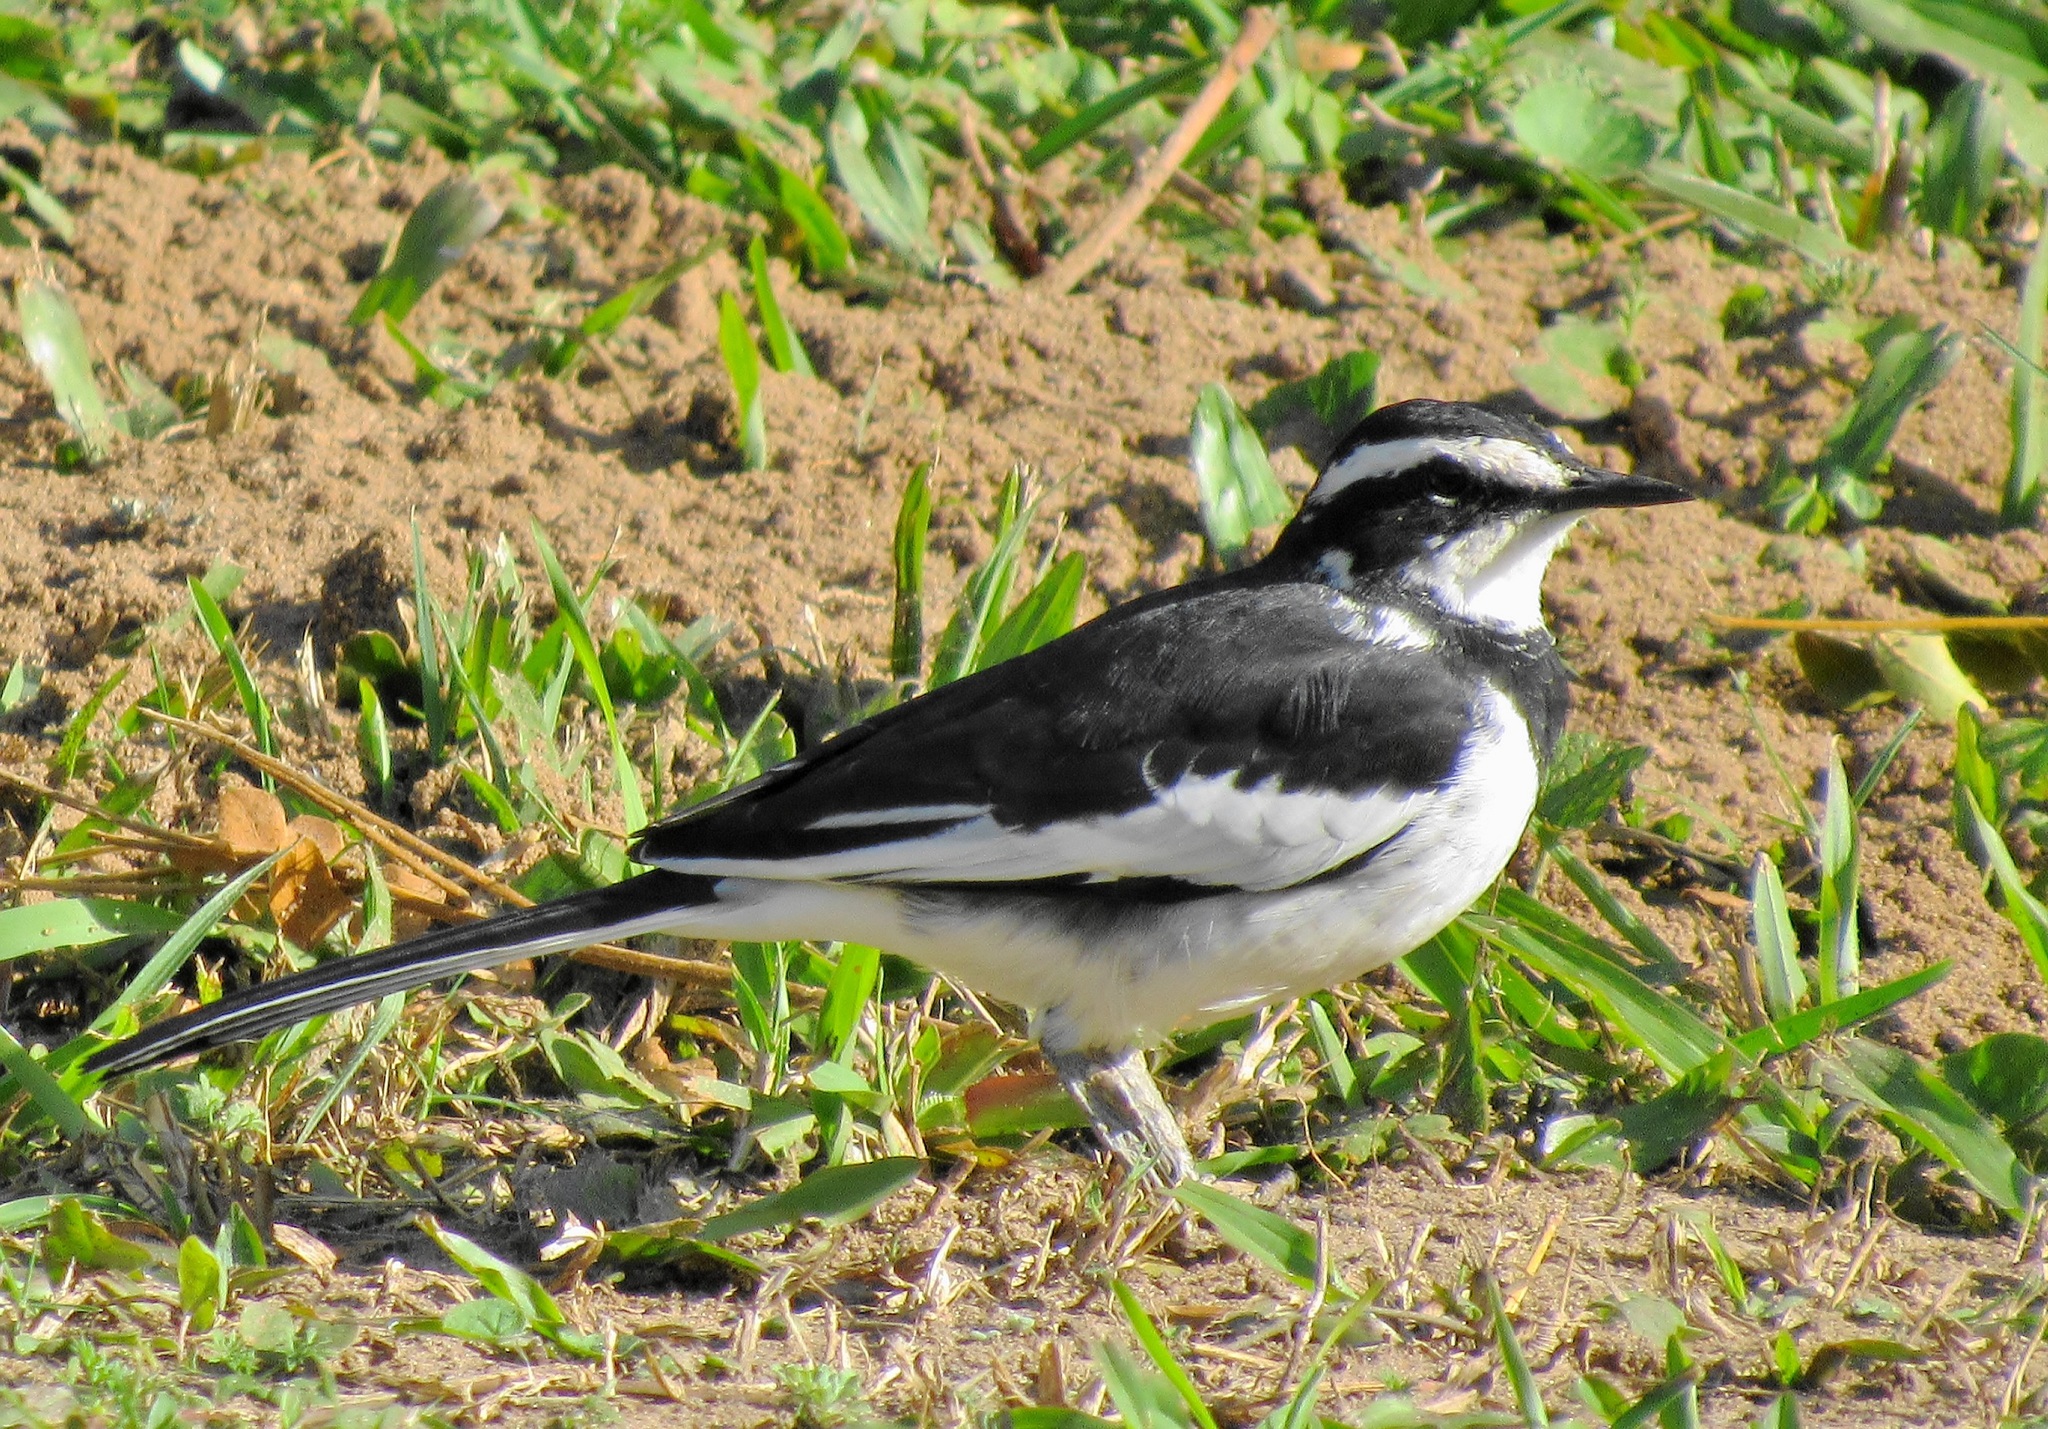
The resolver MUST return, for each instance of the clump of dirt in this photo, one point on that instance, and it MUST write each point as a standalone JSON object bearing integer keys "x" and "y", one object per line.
{"x": 632, "y": 458}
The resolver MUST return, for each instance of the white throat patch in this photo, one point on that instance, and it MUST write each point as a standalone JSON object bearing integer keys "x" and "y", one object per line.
{"x": 1494, "y": 573}
{"x": 1518, "y": 463}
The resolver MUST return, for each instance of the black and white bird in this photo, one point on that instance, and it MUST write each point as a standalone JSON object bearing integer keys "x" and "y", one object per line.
{"x": 1246, "y": 788}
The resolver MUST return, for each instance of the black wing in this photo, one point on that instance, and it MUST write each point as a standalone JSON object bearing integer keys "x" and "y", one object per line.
{"x": 1231, "y": 735}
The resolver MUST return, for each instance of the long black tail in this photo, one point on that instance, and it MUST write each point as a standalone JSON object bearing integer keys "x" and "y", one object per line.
{"x": 646, "y": 903}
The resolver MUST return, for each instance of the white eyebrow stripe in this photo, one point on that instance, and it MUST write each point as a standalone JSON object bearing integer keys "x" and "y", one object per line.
{"x": 1520, "y": 462}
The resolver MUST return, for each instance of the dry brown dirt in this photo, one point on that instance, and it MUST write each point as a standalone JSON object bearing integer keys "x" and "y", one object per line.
{"x": 633, "y": 458}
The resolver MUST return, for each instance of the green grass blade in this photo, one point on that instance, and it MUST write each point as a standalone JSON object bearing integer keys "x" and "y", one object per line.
{"x": 913, "y": 525}
{"x": 783, "y": 344}
{"x": 1634, "y": 931}
{"x": 36, "y": 928}
{"x": 1664, "y": 1404}
{"x": 448, "y": 222}
{"x": 40, "y": 202}
{"x": 1045, "y": 613}
{"x": 846, "y": 998}
{"x": 1907, "y": 363}
{"x": 1267, "y": 1237}
{"x": 1745, "y": 210}
{"x": 222, "y": 635}
{"x": 980, "y": 609}
{"x": 1897, "y": 1086}
{"x": 433, "y": 697}
{"x": 1073, "y": 130}
{"x": 1155, "y": 1347}
{"x": 570, "y": 605}
{"x": 2028, "y": 914}
{"x": 1141, "y": 1399}
{"x": 1521, "y": 1379}
{"x": 1674, "y": 1037}
{"x": 373, "y": 739}
{"x": 1787, "y": 1034}
{"x": 825, "y": 242}
{"x": 45, "y": 1092}
{"x": 1777, "y": 946}
{"x": 743, "y": 369}
{"x": 1840, "y": 952}
{"x": 56, "y": 345}
{"x": 2020, "y": 504}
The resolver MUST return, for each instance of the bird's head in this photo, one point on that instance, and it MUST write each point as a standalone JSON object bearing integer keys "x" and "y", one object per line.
{"x": 1460, "y": 504}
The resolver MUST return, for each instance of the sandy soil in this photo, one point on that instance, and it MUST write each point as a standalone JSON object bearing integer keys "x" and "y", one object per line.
{"x": 633, "y": 457}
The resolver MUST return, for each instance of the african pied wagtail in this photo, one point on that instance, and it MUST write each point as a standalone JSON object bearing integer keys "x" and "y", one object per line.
{"x": 1243, "y": 789}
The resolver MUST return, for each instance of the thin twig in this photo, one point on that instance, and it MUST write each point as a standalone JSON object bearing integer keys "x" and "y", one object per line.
{"x": 419, "y": 855}
{"x": 1253, "y": 36}
{"x": 87, "y": 807}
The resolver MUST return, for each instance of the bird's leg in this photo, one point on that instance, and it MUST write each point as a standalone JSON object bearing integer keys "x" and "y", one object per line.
{"x": 1121, "y": 1099}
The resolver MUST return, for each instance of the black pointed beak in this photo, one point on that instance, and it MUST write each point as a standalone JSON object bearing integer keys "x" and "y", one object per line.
{"x": 1592, "y": 488}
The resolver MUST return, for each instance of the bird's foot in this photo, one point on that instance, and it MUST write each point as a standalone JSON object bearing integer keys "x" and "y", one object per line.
{"x": 1121, "y": 1099}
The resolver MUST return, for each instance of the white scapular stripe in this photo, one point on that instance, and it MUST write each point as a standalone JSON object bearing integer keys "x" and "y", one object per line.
{"x": 899, "y": 814}
{"x": 1517, "y": 462}
{"x": 1206, "y": 830}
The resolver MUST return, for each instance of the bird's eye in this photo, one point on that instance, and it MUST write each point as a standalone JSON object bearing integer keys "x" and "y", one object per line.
{"x": 1449, "y": 483}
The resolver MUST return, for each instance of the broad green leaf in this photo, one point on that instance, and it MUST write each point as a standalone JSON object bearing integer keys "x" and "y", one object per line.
{"x": 448, "y": 222}
{"x": 846, "y": 998}
{"x": 1567, "y": 123}
{"x": 1965, "y": 152}
{"x": 2005, "y": 1076}
{"x": 1585, "y": 778}
{"x": 1842, "y": 673}
{"x": 835, "y": 1194}
{"x": 57, "y": 347}
{"x": 1839, "y": 847}
{"x": 202, "y": 1283}
{"x": 2029, "y": 915}
{"x": 824, "y": 240}
{"x": 1317, "y": 412}
{"x": 1898, "y": 1086}
{"x": 1921, "y": 669}
{"x": 878, "y": 164}
{"x": 1239, "y": 494}
{"x": 2020, "y": 504}
{"x": 1982, "y": 39}
{"x": 78, "y": 923}
{"x": 76, "y": 1236}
